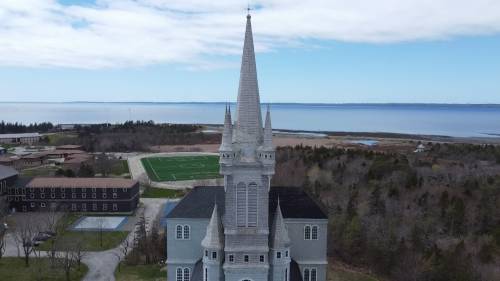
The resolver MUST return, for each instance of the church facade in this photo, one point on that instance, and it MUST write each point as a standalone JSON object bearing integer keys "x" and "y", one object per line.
{"x": 247, "y": 230}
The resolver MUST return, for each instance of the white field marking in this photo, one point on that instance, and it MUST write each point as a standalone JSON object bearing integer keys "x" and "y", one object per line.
{"x": 154, "y": 171}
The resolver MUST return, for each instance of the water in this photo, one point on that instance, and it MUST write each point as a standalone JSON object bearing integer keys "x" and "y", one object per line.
{"x": 448, "y": 120}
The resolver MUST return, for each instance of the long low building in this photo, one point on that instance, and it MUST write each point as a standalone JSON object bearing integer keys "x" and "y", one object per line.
{"x": 23, "y": 138}
{"x": 102, "y": 195}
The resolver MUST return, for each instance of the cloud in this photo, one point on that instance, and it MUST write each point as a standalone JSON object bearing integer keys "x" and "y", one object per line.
{"x": 131, "y": 33}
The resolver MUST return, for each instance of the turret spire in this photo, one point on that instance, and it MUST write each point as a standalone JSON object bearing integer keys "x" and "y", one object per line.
{"x": 213, "y": 239}
{"x": 268, "y": 131}
{"x": 227, "y": 133}
{"x": 279, "y": 238}
{"x": 249, "y": 119}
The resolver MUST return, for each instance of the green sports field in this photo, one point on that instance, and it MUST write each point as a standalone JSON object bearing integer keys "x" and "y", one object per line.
{"x": 181, "y": 168}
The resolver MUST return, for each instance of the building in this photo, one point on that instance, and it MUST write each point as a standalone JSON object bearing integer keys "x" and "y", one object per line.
{"x": 103, "y": 195}
{"x": 420, "y": 148}
{"x": 8, "y": 176}
{"x": 24, "y": 138}
{"x": 70, "y": 147}
{"x": 74, "y": 162}
{"x": 247, "y": 230}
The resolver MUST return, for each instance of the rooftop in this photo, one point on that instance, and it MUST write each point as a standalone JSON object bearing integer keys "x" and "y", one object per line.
{"x": 81, "y": 183}
{"x": 295, "y": 203}
{"x": 7, "y": 172}
{"x": 21, "y": 135}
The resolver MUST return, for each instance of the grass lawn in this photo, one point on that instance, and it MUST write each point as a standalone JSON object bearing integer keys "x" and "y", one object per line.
{"x": 120, "y": 168}
{"x": 90, "y": 240}
{"x": 13, "y": 269}
{"x": 181, "y": 168}
{"x": 140, "y": 273}
{"x": 153, "y": 192}
{"x": 339, "y": 273}
{"x": 40, "y": 171}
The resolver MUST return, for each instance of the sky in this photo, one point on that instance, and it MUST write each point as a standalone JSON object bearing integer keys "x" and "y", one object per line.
{"x": 317, "y": 51}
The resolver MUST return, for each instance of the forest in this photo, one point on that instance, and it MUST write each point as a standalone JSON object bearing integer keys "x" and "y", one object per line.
{"x": 430, "y": 216}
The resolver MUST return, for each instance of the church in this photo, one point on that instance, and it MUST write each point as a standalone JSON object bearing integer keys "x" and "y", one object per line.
{"x": 247, "y": 230}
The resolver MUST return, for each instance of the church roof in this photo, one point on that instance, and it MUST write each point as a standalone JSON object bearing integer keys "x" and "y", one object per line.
{"x": 213, "y": 239}
{"x": 295, "y": 203}
{"x": 249, "y": 118}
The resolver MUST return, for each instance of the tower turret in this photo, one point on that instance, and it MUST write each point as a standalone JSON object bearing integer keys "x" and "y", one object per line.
{"x": 279, "y": 254}
{"x": 226, "y": 152}
{"x": 213, "y": 246}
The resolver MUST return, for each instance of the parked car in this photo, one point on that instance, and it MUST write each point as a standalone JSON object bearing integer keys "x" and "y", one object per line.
{"x": 41, "y": 236}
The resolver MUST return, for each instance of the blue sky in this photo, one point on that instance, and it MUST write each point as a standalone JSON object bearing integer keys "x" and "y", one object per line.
{"x": 169, "y": 50}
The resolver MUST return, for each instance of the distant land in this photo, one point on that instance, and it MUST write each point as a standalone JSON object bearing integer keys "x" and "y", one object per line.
{"x": 432, "y": 119}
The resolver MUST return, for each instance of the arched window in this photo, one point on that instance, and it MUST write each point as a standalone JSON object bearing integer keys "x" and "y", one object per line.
{"x": 307, "y": 233}
{"x": 186, "y": 232}
{"x": 241, "y": 204}
{"x": 252, "y": 204}
{"x": 186, "y": 274}
{"x": 306, "y": 275}
{"x": 205, "y": 274}
{"x": 178, "y": 274}
{"x": 178, "y": 230}
{"x": 314, "y": 232}
{"x": 286, "y": 274}
{"x": 313, "y": 274}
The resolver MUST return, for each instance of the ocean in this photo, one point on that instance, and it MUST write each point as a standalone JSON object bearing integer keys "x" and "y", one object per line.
{"x": 424, "y": 119}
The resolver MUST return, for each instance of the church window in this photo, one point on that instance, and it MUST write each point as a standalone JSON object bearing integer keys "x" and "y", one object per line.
{"x": 186, "y": 274}
{"x": 278, "y": 255}
{"x": 286, "y": 254}
{"x": 261, "y": 258}
{"x": 286, "y": 274}
{"x": 186, "y": 232}
{"x": 310, "y": 274}
{"x": 307, "y": 232}
{"x": 313, "y": 274}
{"x": 231, "y": 258}
{"x": 252, "y": 205}
{"x": 178, "y": 274}
{"x": 206, "y": 253}
{"x": 178, "y": 232}
{"x": 241, "y": 204}
{"x": 314, "y": 232}
{"x": 246, "y": 258}
{"x": 205, "y": 274}
{"x": 214, "y": 255}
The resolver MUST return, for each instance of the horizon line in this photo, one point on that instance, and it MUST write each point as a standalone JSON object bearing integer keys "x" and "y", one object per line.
{"x": 262, "y": 103}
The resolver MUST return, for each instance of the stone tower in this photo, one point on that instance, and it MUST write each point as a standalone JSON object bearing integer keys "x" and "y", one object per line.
{"x": 247, "y": 164}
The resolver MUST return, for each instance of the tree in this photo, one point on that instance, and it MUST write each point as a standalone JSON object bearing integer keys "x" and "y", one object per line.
{"x": 24, "y": 234}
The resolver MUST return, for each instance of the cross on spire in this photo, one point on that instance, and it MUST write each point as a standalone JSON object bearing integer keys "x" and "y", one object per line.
{"x": 249, "y": 9}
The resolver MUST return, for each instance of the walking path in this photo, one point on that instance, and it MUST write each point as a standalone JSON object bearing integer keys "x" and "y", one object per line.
{"x": 102, "y": 264}
{"x": 138, "y": 172}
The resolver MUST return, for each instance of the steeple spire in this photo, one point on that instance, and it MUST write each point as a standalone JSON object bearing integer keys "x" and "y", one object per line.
{"x": 213, "y": 239}
{"x": 249, "y": 118}
{"x": 279, "y": 238}
{"x": 268, "y": 131}
{"x": 227, "y": 134}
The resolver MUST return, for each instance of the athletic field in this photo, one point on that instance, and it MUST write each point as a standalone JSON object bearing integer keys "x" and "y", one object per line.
{"x": 181, "y": 168}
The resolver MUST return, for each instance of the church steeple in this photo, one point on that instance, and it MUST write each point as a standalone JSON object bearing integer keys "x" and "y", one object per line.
{"x": 249, "y": 118}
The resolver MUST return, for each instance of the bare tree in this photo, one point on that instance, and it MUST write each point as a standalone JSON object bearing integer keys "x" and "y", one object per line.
{"x": 100, "y": 230}
{"x": 67, "y": 260}
{"x": 3, "y": 231}
{"x": 25, "y": 231}
{"x": 79, "y": 254}
{"x": 123, "y": 248}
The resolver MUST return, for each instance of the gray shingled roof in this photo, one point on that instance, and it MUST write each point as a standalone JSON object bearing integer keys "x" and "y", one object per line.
{"x": 7, "y": 172}
{"x": 295, "y": 203}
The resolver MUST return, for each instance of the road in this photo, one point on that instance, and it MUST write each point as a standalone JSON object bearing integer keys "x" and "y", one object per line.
{"x": 102, "y": 264}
